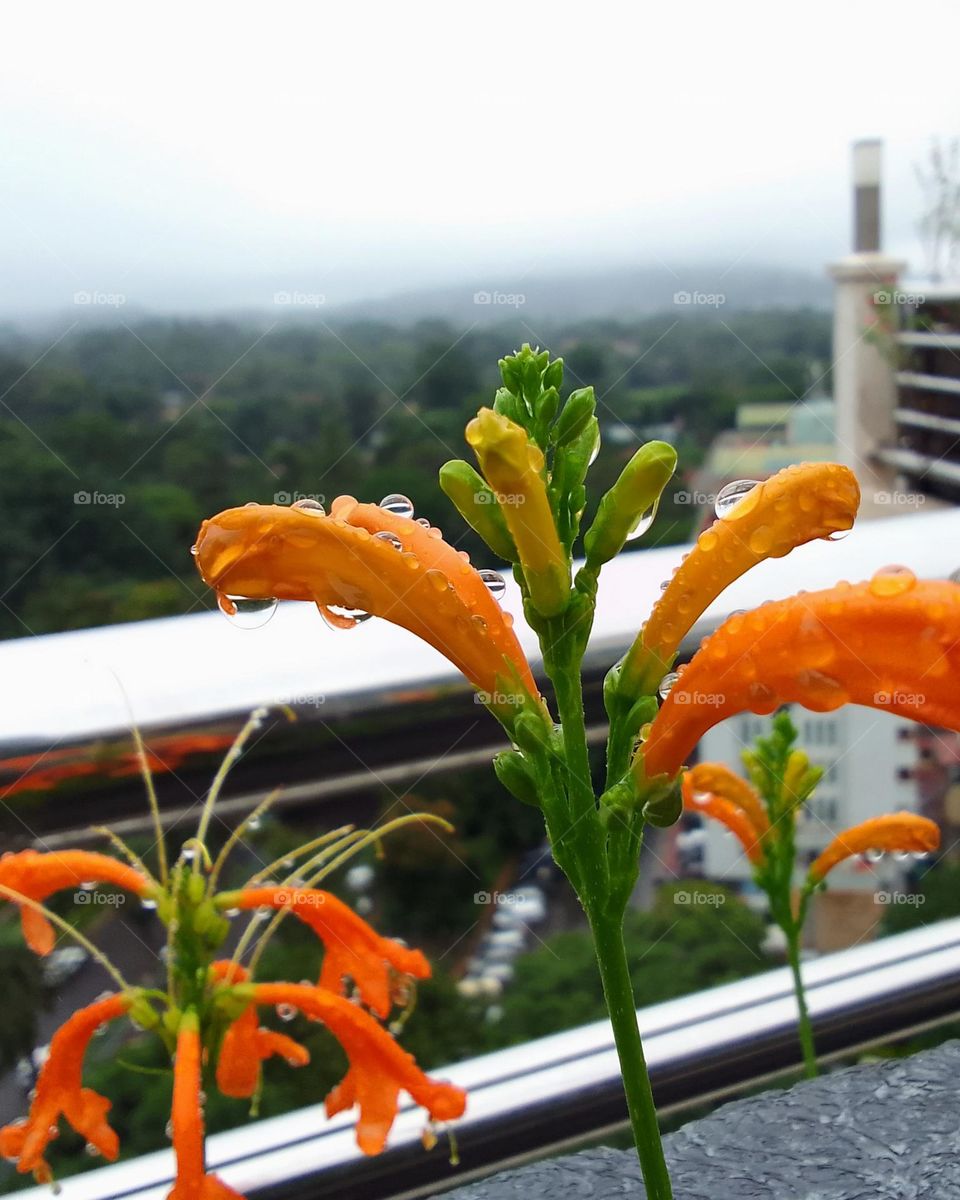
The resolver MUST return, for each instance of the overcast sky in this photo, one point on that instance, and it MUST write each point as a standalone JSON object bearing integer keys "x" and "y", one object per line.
{"x": 203, "y": 155}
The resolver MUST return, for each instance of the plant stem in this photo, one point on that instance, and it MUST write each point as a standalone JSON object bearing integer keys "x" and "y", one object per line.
{"x": 618, "y": 991}
{"x": 811, "y": 1070}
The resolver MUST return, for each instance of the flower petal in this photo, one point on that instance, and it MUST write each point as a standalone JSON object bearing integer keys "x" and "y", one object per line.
{"x": 379, "y": 1067}
{"x": 424, "y": 585}
{"x": 59, "y": 1092}
{"x": 896, "y": 831}
{"x": 891, "y": 644}
{"x": 797, "y": 505}
{"x": 39, "y": 875}
{"x": 721, "y": 781}
{"x": 351, "y": 947}
{"x": 727, "y": 813}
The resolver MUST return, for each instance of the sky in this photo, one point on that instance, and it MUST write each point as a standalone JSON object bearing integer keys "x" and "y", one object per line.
{"x": 204, "y": 157}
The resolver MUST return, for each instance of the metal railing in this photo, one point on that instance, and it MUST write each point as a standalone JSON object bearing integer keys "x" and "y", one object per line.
{"x": 548, "y": 1094}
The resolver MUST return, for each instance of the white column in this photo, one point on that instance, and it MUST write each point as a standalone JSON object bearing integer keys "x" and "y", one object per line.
{"x": 864, "y": 378}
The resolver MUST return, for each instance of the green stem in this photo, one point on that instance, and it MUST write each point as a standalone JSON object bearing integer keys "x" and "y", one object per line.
{"x": 811, "y": 1070}
{"x": 618, "y": 991}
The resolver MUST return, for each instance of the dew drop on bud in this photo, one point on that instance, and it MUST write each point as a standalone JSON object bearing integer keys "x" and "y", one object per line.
{"x": 246, "y": 613}
{"x": 390, "y": 538}
{"x": 496, "y": 584}
{"x": 309, "y": 505}
{"x": 254, "y": 823}
{"x": 400, "y": 506}
{"x": 731, "y": 494}
{"x": 644, "y": 521}
{"x": 286, "y": 1012}
{"x": 666, "y": 683}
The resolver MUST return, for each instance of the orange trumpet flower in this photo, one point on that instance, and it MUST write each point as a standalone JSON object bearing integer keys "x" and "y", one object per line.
{"x": 720, "y": 781}
{"x": 892, "y": 643}
{"x": 379, "y": 1068}
{"x": 727, "y": 813}
{"x": 363, "y": 557}
{"x": 38, "y": 875}
{"x": 797, "y": 505}
{"x": 901, "y": 831}
{"x": 60, "y": 1093}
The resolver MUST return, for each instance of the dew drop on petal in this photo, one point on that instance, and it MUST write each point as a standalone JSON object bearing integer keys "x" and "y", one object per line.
{"x": 920, "y": 855}
{"x": 731, "y": 494}
{"x": 91, "y": 1151}
{"x": 666, "y": 683}
{"x": 309, "y": 505}
{"x": 901, "y": 856}
{"x": 424, "y": 522}
{"x": 874, "y": 856}
{"x": 701, "y": 798}
{"x": 334, "y": 611}
{"x": 892, "y": 581}
{"x": 168, "y": 1129}
{"x": 664, "y": 585}
{"x": 438, "y": 580}
{"x": 400, "y": 506}
{"x": 496, "y": 584}
{"x": 194, "y": 549}
{"x": 390, "y": 538}
{"x": 246, "y": 613}
{"x": 838, "y": 535}
{"x": 88, "y": 885}
{"x": 286, "y": 1012}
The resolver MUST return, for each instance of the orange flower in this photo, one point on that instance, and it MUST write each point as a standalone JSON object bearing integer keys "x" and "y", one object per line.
{"x": 351, "y": 947}
{"x": 379, "y": 1067}
{"x": 727, "y": 813}
{"x": 38, "y": 876}
{"x": 59, "y": 1092}
{"x": 797, "y": 505}
{"x": 245, "y": 1045}
{"x": 891, "y": 644}
{"x": 902, "y": 831}
{"x": 721, "y": 781}
{"x": 363, "y": 557}
{"x": 192, "y": 1182}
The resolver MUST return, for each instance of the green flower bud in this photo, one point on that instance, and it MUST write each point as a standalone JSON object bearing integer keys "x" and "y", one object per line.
{"x": 516, "y": 775}
{"x": 478, "y": 506}
{"x": 510, "y": 374}
{"x": 547, "y": 406}
{"x": 664, "y": 809}
{"x": 196, "y": 887}
{"x": 577, "y": 411}
{"x": 635, "y": 493}
{"x": 553, "y": 375}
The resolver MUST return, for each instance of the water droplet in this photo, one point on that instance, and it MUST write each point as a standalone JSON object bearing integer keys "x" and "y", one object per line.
{"x": 595, "y": 450}
{"x": 91, "y": 1151}
{"x": 874, "y": 856}
{"x": 390, "y": 538}
{"x": 148, "y": 905}
{"x": 496, "y": 584}
{"x": 309, "y": 505}
{"x": 252, "y": 504}
{"x": 644, "y": 521}
{"x": 701, "y": 798}
{"x": 254, "y": 823}
{"x": 920, "y": 855}
{"x": 666, "y": 683}
{"x": 838, "y": 535}
{"x": 246, "y": 613}
{"x": 731, "y": 494}
{"x": 438, "y": 580}
{"x": 188, "y": 853}
{"x": 168, "y": 1129}
{"x": 435, "y": 533}
{"x": 336, "y": 617}
{"x": 230, "y": 913}
{"x": 464, "y": 555}
{"x": 400, "y": 506}
{"x": 892, "y": 581}
{"x": 761, "y": 540}
{"x": 194, "y": 549}
{"x": 286, "y": 1012}
{"x": 901, "y": 856}
{"x": 424, "y": 522}
{"x": 478, "y": 622}
{"x": 664, "y": 585}
{"x": 88, "y": 885}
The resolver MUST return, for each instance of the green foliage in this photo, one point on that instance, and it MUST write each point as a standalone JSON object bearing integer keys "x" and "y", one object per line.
{"x": 22, "y": 996}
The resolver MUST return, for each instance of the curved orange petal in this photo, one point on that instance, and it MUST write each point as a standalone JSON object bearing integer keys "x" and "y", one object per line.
{"x": 192, "y": 1181}
{"x": 59, "y": 1092}
{"x": 424, "y": 585}
{"x": 379, "y": 1067}
{"x": 38, "y": 875}
{"x": 896, "y": 831}
{"x": 891, "y": 644}
{"x": 351, "y": 947}
{"x": 797, "y": 505}
{"x": 721, "y": 781}
{"x": 727, "y": 813}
